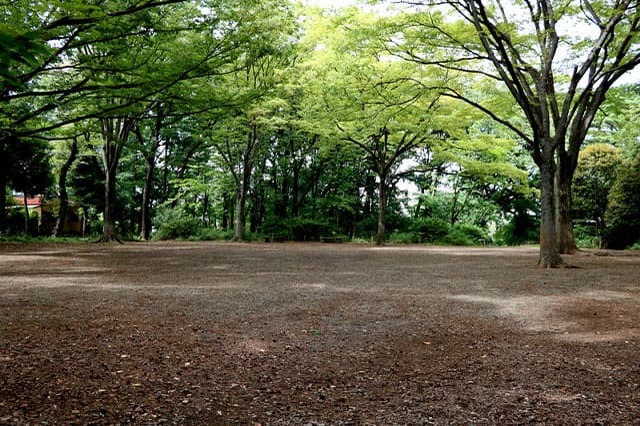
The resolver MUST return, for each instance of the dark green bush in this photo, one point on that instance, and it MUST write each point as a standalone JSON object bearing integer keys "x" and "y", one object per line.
{"x": 178, "y": 227}
{"x": 310, "y": 230}
{"x": 623, "y": 210}
{"x": 213, "y": 234}
{"x": 455, "y": 238}
{"x": 474, "y": 234}
{"x": 297, "y": 229}
{"x": 402, "y": 238}
{"x": 429, "y": 230}
{"x": 519, "y": 230}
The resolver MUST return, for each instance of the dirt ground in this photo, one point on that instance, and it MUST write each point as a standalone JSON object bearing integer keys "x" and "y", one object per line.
{"x": 315, "y": 334}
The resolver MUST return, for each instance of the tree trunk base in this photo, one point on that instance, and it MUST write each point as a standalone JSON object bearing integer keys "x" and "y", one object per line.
{"x": 109, "y": 239}
{"x": 548, "y": 261}
{"x": 569, "y": 250}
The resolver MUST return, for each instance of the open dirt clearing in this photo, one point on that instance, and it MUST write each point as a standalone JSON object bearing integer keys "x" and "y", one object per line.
{"x": 204, "y": 333}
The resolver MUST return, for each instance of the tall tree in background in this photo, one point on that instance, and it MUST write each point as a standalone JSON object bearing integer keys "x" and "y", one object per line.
{"x": 557, "y": 77}
{"x": 63, "y": 194}
{"x": 256, "y": 76}
{"x": 379, "y": 105}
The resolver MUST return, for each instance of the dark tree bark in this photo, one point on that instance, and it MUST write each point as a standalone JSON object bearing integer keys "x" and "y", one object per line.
{"x": 26, "y": 213}
{"x": 63, "y": 195}
{"x": 563, "y": 182}
{"x": 243, "y": 184}
{"x": 241, "y": 177}
{"x": 145, "y": 222}
{"x": 549, "y": 256}
{"x": 382, "y": 209}
{"x": 111, "y": 158}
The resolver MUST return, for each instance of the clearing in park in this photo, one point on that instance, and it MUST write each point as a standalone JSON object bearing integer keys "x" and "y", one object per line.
{"x": 208, "y": 333}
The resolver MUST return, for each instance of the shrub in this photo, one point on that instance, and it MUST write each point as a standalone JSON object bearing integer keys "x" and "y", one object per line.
{"x": 310, "y": 230}
{"x": 297, "y": 229}
{"x": 402, "y": 238}
{"x": 474, "y": 234}
{"x": 429, "y": 230}
{"x": 276, "y": 230}
{"x": 183, "y": 227}
{"x": 519, "y": 230}
{"x": 213, "y": 234}
{"x": 176, "y": 225}
{"x": 456, "y": 238}
{"x": 586, "y": 236}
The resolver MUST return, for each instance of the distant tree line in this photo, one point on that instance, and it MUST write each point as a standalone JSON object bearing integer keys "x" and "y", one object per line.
{"x": 267, "y": 120}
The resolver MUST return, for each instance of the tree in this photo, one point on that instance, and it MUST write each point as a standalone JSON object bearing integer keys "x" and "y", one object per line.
{"x": 63, "y": 194}
{"x": 86, "y": 179}
{"x": 556, "y": 80}
{"x": 377, "y": 104}
{"x": 252, "y": 122}
{"x": 595, "y": 175}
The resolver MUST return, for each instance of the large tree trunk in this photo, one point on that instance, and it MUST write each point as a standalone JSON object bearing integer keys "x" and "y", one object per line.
{"x": 563, "y": 191}
{"x": 109, "y": 233}
{"x": 62, "y": 188}
{"x": 549, "y": 256}
{"x": 114, "y": 133}
{"x": 382, "y": 209}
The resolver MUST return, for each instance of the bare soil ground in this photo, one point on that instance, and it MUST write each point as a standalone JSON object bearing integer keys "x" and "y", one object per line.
{"x": 278, "y": 334}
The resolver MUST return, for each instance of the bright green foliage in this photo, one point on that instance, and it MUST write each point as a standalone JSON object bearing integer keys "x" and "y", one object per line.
{"x": 209, "y": 113}
{"x": 616, "y": 122}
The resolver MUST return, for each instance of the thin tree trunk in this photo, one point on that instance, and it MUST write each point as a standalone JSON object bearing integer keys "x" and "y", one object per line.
{"x": 85, "y": 219}
{"x": 145, "y": 228}
{"x": 244, "y": 182}
{"x": 206, "y": 218}
{"x": 241, "y": 215}
{"x": 26, "y": 214}
{"x": 295, "y": 191}
{"x": 3, "y": 198}
{"x": 150, "y": 158}
{"x": 227, "y": 218}
{"x": 382, "y": 209}
{"x": 62, "y": 187}
{"x": 549, "y": 256}
{"x": 5, "y": 136}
